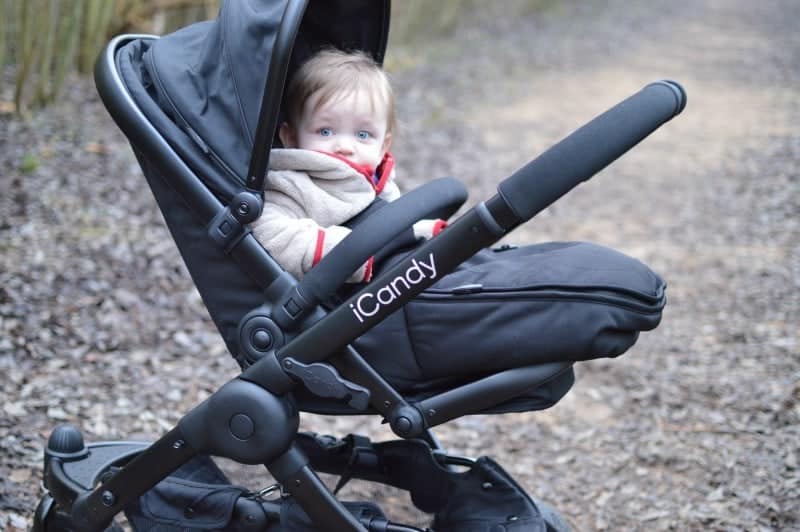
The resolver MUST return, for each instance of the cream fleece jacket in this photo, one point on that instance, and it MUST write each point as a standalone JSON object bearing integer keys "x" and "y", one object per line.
{"x": 307, "y": 198}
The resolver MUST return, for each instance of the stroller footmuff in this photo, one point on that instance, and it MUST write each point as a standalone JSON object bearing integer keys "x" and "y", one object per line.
{"x": 528, "y": 305}
{"x": 446, "y": 329}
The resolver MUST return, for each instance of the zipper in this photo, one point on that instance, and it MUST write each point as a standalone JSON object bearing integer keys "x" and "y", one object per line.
{"x": 466, "y": 289}
{"x": 622, "y": 298}
{"x": 184, "y": 125}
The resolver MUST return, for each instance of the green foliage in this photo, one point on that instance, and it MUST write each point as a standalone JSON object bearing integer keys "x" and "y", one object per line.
{"x": 29, "y": 163}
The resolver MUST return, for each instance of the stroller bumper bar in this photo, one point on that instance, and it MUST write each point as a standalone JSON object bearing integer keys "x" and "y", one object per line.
{"x": 439, "y": 198}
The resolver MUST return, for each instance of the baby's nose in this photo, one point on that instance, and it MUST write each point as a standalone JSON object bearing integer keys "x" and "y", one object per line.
{"x": 344, "y": 145}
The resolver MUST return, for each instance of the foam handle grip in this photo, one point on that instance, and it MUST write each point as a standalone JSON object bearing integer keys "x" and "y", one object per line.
{"x": 591, "y": 148}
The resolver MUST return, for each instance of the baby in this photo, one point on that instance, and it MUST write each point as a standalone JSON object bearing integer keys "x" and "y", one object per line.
{"x": 336, "y": 161}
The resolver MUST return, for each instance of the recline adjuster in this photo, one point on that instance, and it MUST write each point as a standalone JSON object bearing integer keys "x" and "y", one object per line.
{"x": 229, "y": 226}
{"x": 324, "y": 381}
{"x": 292, "y": 308}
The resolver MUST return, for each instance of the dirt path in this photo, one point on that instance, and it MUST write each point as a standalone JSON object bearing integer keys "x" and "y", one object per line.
{"x": 696, "y": 428}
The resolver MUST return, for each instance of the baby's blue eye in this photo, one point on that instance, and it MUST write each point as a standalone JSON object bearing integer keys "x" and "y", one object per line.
{"x": 326, "y": 131}
{"x": 363, "y": 135}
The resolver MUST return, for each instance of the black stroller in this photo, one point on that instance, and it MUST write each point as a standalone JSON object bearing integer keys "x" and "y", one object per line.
{"x": 200, "y": 108}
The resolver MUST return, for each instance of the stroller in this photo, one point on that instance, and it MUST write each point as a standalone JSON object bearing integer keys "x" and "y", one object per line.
{"x": 200, "y": 108}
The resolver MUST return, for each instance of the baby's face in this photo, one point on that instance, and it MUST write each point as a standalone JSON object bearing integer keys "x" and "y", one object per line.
{"x": 352, "y": 126}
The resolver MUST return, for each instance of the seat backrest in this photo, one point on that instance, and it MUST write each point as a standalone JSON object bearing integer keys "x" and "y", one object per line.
{"x": 172, "y": 164}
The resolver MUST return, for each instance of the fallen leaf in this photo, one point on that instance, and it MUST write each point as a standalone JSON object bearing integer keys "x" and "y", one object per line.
{"x": 20, "y": 475}
{"x": 97, "y": 148}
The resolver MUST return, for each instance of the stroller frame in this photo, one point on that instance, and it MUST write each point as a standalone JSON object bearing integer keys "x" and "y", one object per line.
{"x": 290, "y": 346}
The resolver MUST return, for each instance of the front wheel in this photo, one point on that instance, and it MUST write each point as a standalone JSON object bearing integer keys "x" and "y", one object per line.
{"x": 49, "y": 518}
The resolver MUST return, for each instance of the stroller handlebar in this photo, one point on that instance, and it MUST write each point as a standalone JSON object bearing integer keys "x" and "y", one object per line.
{"x": 590, "y": 148}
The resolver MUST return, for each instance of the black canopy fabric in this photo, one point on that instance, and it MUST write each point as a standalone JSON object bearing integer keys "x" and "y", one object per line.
{"x": 210, "y": 76}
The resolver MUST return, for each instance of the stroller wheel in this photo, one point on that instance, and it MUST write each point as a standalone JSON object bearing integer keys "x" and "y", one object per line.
{"x": 49, "y": 518}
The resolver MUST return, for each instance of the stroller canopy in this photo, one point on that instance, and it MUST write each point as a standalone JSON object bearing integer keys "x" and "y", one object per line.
{"x": 212, "y": 77}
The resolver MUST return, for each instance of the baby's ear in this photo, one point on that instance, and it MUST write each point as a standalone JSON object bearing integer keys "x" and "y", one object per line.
{"x": 286, "y": 134}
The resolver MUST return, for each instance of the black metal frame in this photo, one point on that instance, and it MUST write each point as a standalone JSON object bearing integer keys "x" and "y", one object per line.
{"x": 252, "y": 419}
{"x": 273, "y": 92}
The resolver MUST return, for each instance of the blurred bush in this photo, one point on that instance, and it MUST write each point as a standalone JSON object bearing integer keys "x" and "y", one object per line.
{"x": 420, "y": 28}
{"x": 45, "y": 41}
{"x": 419, "y": 21}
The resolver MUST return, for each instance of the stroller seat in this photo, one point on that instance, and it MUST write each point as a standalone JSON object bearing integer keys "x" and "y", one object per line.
{"x": 239, "y": 309}
{"x": 200, "y": 108}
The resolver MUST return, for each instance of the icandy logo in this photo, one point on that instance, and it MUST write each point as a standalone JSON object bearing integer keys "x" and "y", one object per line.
{"x": 370, "y": 303}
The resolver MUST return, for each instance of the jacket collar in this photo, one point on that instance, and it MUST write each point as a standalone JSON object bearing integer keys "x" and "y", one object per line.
{"x": 381, "y": 173}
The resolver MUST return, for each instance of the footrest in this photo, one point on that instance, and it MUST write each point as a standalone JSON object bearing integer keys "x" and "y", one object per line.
{"x": 72, "y": 468}
{"x": 100, "y": 457}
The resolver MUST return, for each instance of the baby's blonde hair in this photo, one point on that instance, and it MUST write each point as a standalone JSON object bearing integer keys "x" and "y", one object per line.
{"x": 330, "y": 73}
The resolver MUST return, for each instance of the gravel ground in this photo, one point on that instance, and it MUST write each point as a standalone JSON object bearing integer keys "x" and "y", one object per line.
{"x": 696, "y": 428}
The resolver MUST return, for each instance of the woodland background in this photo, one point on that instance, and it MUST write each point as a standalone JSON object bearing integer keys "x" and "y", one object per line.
{"x": 697, "y": 427}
